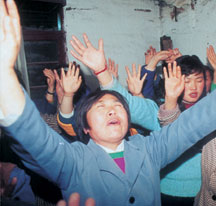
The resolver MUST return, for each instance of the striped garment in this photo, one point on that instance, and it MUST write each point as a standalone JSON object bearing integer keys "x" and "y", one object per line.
{"x": 118, "y": 157}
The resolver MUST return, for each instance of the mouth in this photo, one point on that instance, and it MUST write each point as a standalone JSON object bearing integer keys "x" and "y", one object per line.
{"x": 113, "y": 122}
{"x": 193, "y": 95}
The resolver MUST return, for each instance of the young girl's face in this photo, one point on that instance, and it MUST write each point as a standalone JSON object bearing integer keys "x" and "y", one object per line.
{"x": 194, "y": 85}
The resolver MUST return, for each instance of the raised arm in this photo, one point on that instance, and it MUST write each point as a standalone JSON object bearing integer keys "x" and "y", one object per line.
{"x": 134, "y": 82}
{"x": 10, "y": 40}
{"x": 71, "y": 82}
{"x": 152, "y": 59}
{"x": 49, "y": 74}
{"x": 175, "y": 53}
{"x": 59, "y": 87}
{"x": 91, "y": 57}
{"x": 159, "y": 56}
{"x": 149, "y": 54}
{"x": 174, "y": 86}
{"x": 211, "y": 55}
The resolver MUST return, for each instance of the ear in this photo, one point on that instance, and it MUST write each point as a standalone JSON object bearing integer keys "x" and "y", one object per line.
{"x": 86, "y": 131}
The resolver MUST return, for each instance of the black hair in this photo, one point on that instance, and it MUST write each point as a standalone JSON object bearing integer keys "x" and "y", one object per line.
{"x": 190, "y": 65}
{"x": 86, "y": 104}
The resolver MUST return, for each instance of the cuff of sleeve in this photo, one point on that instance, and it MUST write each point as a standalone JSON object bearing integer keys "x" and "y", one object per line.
{"x": 167, "y": 114}
{"x": 67, "y": 115}
{"x": 144, "y": 70}
{"x": 109, "y": 85}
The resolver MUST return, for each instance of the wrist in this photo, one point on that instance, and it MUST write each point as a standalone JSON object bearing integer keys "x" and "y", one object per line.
{"x": 50, "y": 92}
{"x": 68, "y": 94}
{"x": 170, "y": 102}
{"x": 151, "y": 66}
{"x": 100, "y": 71}
{"x": 138, "y": 95}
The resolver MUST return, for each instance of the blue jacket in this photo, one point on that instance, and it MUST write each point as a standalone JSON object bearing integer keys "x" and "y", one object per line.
{"x": 89, "y": 170}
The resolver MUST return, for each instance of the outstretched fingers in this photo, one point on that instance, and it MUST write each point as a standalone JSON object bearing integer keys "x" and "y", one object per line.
{"x": 134, "y": 70}
{"x": 178, "y": 72}
{"x": 13, "y": 13}
{"x": 77, "y": 46}
{"x": 128, "y": 72}
{"x": 86, "y": 40}
{"x": 165, "y": 72}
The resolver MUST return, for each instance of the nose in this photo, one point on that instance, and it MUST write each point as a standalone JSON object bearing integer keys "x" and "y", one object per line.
{"x": 111, "y": 111}
{"x": 193, "y": 85}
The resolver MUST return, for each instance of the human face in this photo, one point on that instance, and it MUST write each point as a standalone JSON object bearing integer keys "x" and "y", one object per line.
{"x": 108, "y": 121}
{"x": 208, "y": 81}
{"x": 194, "y": 84}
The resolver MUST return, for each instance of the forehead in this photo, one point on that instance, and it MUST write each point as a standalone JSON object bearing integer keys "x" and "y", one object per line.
{"x": 195, "y": 75}
{"x": 106, "y": 98}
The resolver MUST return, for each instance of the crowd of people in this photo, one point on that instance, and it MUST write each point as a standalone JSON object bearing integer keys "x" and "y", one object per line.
{"x": 152, "y": 143}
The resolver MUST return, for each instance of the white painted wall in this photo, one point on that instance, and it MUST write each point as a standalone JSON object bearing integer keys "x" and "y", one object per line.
{"x": 127, "y": 33}
{"x": 194, "y": 30}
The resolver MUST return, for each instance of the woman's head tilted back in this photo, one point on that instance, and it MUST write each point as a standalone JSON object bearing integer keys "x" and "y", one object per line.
{"x": 194, "y": 72}
{"x": 103, "y": 116}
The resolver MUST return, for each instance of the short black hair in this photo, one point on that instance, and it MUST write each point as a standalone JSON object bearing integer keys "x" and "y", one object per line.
{"x": 86, "y": 104}
{"x": 190, "y": 65}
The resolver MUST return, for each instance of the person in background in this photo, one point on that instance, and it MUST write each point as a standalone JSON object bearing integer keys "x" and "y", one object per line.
{"x": 154, "y": 85}
{"x": 181, "y": 180}
{"x": 74, "y": 90}
{"x": 207, "y": 193}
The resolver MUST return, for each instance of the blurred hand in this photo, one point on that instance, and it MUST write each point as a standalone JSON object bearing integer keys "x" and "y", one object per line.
{"x": 10, "y": 34}
{"x": 71, "y": 81}
{"x": 74, "y": 200}
{"x": 211, "y": 55}
{"x": 149, "y": 54}
{"x": 50, "y": 79}
{"x": 135, "y": 84}
{"x": 89, "y": 55}
{"x": 113, "y": 69}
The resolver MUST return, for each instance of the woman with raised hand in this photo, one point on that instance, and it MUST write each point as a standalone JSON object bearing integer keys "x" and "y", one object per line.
{"x": 143, "y": 111}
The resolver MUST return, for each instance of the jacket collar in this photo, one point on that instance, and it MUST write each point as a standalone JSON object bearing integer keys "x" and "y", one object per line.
{"x": 133, "y": 156}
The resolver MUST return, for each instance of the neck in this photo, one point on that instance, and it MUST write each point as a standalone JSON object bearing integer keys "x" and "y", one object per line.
{"x": 188, "y": 104}
{"x": 110, "y": 147}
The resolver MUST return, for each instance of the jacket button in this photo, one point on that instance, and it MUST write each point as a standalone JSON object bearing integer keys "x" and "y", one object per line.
{"x": 214, "y": 197}
{"x": 132, "y": 200}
